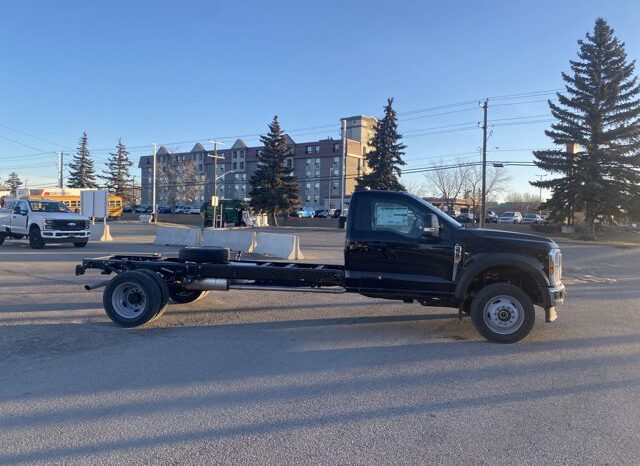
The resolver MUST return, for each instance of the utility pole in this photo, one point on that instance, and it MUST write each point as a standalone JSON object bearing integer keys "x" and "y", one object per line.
{"x": 483, "y": 209}
{"x": 540, "y": 176}
{"x": 215, "y": 178}
{"x": 330, "y": 185}
{"x": 344, "y": 166}
{"x": 60, "y": 170}
{"x": 154, "y": 214}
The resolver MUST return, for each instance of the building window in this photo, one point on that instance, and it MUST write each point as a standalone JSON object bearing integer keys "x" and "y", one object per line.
{"x": 308, "y": 174}
{"x": 234, "y": 165}
{"x": 336, "y": 160}
{"x": 308, "y": 186}
{"x": 236, "y": 187}
{"x": 336, "y": 172}
{"x": 336, "y": 185}
{"x": 316, "y": 198}
{"x": 308, "y": 161}
{"x": 317, "y": 161}
{"x": 244, "y": 187}
{"x": 336, "y": 147}
{"x": 308, "y": 197}
{"x": 290, "y": 162}
{"x": 241, "y": 165}
{"x": 317, "y": 173}
{"x": 234, "y": 154}
{"x": 317, "y": 185}
{"x": 317, "y": 149}
{"x": 308, "y": 149}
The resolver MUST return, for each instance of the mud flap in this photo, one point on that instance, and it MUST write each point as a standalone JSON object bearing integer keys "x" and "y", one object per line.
{"x": 550, "y": 314}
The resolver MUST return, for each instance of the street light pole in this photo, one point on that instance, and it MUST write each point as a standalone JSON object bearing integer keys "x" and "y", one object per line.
{"x": 344, "y": 165}
{"x": 215, "y": 178}
{"x": 483, "y": 209}
{"x": 154, "y": 214}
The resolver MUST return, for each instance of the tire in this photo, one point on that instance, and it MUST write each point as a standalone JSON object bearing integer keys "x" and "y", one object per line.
{"x": 35, "y": 239}
{"x": 502, "y": 313}
{"x": 80, "y": 244}
{"x": 1, "y": 239}
{"x": 163, "y": 289}
{"x": 132, "y": 299}
{"x": 181, "y": 295}
{"x": 211, "y": 255}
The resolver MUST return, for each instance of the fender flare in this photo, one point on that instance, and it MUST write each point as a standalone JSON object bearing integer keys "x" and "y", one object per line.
{"x": 485, "y": 261}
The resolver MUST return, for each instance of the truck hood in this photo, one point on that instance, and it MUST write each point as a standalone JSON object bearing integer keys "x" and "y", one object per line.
{"x": 60, "y": 215}
{"x": 499, "y": 240}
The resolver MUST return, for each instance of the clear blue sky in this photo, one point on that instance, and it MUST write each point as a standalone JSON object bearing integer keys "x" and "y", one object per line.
{"x": 171, "y": 71}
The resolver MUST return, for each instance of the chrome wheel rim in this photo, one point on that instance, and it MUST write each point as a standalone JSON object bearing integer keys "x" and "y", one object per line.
{"x": 128, "y": 300}
{"x": 503, "y": 314}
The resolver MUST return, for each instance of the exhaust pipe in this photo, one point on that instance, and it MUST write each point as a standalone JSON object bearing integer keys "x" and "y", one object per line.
{"x": 209, "y": 284}
{"x": 93, "y": 286}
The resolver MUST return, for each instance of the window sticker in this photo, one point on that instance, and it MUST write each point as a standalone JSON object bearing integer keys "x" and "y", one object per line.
{"x": 391, "y": 215}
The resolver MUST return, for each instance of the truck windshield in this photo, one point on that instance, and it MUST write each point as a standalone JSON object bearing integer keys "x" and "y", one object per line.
{"x": 48, "y": 206}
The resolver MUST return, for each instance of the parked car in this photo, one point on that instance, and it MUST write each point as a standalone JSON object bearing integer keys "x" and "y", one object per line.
{"x": 303, "y": 212}
{"x": 465, "y": 217}
{"x": 164, "y": 209}
{"x": 322, "y": 213}
{"x": 127, "y": 209}
{"x": 192, "y": 210}
{"x": 532, "y": 218}
{"x": 336, "y": 213}
{"x": 510, "y": 217}
{"x": 141, "y": 209}
{"x": 491, "y": 217}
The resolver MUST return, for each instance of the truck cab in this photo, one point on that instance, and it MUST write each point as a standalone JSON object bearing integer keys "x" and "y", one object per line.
{"x": 400, "y": 247}
{"x": 43, "y": 221}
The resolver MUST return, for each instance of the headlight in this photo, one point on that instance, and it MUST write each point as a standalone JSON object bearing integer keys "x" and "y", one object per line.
{"x": 48, "y": 224}
{"x": 555, "y": 266}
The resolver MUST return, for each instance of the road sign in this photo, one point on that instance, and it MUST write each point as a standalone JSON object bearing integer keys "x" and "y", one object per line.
{"x": 214, "y": 201}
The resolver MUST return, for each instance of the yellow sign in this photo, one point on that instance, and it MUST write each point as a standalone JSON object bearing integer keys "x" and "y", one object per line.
{"x": 214, "y": 201}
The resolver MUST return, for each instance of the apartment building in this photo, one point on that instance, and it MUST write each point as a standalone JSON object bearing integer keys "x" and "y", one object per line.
{"x": 317, "y": 165}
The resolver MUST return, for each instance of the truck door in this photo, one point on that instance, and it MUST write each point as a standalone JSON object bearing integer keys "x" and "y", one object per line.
{"x": 19, "y": 218}
{"x": 396, "y": 252}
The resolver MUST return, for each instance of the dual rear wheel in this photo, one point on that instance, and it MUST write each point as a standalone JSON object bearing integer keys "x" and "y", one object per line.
{"x": 137, "y": 297}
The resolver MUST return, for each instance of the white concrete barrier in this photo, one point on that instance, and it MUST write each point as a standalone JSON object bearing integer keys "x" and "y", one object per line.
{"x": 277, "y": 245}
{"x": 98, "y": 232}
{"x": 145, "y": 218}
{"x": 238, "y": 240}
{"x": 177, "y": 236}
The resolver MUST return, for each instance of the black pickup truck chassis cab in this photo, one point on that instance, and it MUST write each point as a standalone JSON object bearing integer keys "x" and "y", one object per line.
{"x": 397, "y": 247}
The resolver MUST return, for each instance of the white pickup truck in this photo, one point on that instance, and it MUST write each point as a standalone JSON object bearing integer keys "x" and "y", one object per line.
{"x": 43, "y": 221}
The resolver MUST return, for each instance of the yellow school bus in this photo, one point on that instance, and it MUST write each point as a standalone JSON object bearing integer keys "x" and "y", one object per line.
{"x": 73, "y": 202}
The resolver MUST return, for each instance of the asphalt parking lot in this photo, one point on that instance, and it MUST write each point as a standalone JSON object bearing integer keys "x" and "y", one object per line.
{"x": 276, "y": 378}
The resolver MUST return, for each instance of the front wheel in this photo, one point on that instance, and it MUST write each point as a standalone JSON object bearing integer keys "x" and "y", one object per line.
{"x": 132, "y": 299}
{"x": 80, "y": 244}
{"x": 502, "y": 313}
{"x": 35, "y": 238}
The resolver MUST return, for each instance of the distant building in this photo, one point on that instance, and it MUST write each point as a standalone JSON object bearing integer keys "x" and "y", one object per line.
{"x": 317, "y": 165}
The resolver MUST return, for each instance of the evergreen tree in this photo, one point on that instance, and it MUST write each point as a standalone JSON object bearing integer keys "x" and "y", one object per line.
{"x": 13, "y": 183}
{"x": 273, "y": 189}
{"x": 385, "y": 159}
{"x": 81, "y": 171}
{"x": 600, "y": 112}
{"x": 118, "y": 179}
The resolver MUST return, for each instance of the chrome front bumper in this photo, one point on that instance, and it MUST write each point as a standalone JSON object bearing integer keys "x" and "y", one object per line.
{"x": 556, "y": 296}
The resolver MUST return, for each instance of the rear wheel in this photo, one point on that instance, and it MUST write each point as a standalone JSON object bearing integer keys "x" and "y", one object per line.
{"x": 502, "y": 313}
{"x": 1, "y": 239}
{"x": 132, "y": 299}
{"x": 80, "y": 244}
{"x": 163, "y": 289}
{"x": 35, "y": 238}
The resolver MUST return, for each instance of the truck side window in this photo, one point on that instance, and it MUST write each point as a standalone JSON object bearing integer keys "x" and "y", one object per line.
{"x": 396, "y": 217}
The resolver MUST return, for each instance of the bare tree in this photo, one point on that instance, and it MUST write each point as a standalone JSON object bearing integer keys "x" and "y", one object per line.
{"x": 178, "y": 182}
{"x": 447, "y": 181}
{"x": 523, "y": 202}
{"x": 416, "y": 188}
{"x": 497, "y": 180}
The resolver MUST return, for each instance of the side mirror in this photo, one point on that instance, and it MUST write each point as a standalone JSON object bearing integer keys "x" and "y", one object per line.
{"x": 432, "y": 226}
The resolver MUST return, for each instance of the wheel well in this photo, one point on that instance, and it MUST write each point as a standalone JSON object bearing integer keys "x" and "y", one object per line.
{"x": 503, "y": 274}
{"x": 33, "y": 227}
